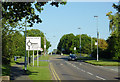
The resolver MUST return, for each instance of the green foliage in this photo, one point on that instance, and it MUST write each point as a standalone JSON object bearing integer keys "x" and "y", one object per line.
{"x": 114, "y": 40}
{"x": 12, "y": 44}
{"x": 66, "y": 44}
{"x": 113, "y": 48}
{"x": 15, "y": 11}
{"x": 102, "y": 47}
{"x": 5, "y": 70}
{"x": 103, "y": 63}
{"x": 69, "y": 41}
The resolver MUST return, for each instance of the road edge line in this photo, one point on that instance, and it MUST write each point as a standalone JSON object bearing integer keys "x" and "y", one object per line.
{"x": 55, "y": 72}
{"x": 52, "y": 72}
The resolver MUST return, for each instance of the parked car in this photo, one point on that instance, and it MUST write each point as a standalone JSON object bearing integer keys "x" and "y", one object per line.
{"x": 72, "y": 57}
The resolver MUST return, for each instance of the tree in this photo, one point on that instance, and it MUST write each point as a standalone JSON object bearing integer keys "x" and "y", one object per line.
{"x": 12, "y": 15}
{"x": 102, "y": 44}
{"x": 13, "y": 12}
{"x": 115, "y": 35}
{"x": 69, "y": 41}
{"x": 66, "y": 44}
{"x": 13, "y": 44}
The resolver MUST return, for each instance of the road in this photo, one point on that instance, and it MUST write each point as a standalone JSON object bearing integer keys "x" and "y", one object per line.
{"x": 78, "y": 70}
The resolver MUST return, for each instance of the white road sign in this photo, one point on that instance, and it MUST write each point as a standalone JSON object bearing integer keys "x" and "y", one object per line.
{"x": 74, "y": 48}
{"x": 95, "y": 43}
{"x": 33, "y": 43}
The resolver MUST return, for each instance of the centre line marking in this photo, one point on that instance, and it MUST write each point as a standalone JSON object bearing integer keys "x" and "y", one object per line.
{"x": 80, "y": 64}
{"x": 83, "y": 70}
{"x": 89, "y": 73}
{"x": 100, "y": 78}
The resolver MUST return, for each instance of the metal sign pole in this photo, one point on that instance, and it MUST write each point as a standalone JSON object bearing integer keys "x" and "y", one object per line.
{"x": 25, "y": 46}
{"x": 33, "y": 57}
{"x": 37, "y": 59}
{"x": 28, "y": 57}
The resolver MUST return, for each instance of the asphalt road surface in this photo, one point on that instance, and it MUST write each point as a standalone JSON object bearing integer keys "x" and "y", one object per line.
{"x": 78, "y": 70}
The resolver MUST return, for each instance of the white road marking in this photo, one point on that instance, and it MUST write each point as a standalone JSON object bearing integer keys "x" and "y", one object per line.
{"x": 80, "y": 64}
{"x": 100, "y": 78}
{"x": 89, "y": 73}
{"x": 74, "y": 66}
{"x": 61, "y": 64}
{"x": 82, "y": 70}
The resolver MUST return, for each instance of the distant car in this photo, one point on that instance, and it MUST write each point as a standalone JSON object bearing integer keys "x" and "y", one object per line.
{"x": 72, "y": 57}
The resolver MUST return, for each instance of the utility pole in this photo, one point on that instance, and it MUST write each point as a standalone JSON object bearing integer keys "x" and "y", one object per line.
{"x": 25, "y": 45}
{"x": 97, "y": 36}
{"x": 80, "y": 43}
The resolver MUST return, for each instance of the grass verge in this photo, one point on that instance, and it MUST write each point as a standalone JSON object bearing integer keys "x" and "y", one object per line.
{"x": 103, "y": 63}
{"x": 42, "y": 72}
{"x": 39, "y": 73}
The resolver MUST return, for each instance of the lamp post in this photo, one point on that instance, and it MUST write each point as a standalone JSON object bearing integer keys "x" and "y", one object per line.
{"x": 25, "y": 46}
{"x": 97, "y": 35}
{"x": 80, "y": 43}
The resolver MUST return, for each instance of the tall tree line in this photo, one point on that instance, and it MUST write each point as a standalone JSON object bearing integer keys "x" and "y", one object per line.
{"x": 69, "y": 41}
{"x": 13, "y": 14}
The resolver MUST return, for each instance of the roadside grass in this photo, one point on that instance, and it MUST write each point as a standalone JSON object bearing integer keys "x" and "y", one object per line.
{"x": 5, "y": 70}
{"x": 41, "y": 72}
{"x": 65, "y": 54}
{"x": 82, "y": 55}
{"x": 19, "y": 60}
{"x": 43, "y": 61}
{"x": 86, "y": 58}
{"x": 103, "y": 62}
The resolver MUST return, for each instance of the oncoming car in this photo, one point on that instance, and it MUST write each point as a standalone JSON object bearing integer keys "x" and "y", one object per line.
{"x": 72, "y": 57}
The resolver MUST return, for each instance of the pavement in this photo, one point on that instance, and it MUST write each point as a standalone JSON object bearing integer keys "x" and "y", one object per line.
{"x": 79, "y": 70}
{"x": 17, "y": 72}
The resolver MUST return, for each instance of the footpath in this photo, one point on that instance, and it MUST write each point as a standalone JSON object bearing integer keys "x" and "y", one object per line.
{"x": 17, "y": 72}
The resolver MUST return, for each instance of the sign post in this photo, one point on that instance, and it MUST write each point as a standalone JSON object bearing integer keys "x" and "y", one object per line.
{"x": 28, "y": 57}
{"x": 33, "y": 43}
{"x": 37, "y": 59}
{"x": 33, "y": 57}
{"x": 75, "y": 50}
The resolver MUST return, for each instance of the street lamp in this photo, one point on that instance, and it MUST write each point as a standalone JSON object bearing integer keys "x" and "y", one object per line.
{"x": 80, "y": 43}
{"x": 97, "y": 34}
{"x": 25, "y": 46}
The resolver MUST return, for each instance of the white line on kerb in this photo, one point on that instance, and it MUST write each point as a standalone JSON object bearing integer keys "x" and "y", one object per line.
{"x": 100, "y": 78}
{"x": 89, "y": 73}
{"x": 83, "y": 70}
